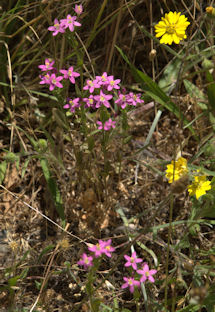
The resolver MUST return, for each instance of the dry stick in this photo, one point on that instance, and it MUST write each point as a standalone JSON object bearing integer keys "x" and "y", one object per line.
{"x": 152, "y": 46}
{"x": 87, "y": 54}
{"x": 44, "y": 216}
{"x": 115, "y": 35}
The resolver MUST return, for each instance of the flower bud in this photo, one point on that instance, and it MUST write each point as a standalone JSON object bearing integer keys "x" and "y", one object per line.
{"x": 152, "y": 54}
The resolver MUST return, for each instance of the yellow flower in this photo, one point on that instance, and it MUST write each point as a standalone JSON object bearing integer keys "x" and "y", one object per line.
{"x": 172, "y": 28}
{"x": 176, "y": 169}
{"x": 199, "y": 186}
{"x": 210, "y": 10}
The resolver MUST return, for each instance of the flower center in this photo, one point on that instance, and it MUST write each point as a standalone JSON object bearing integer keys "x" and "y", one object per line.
{"x": 102, "y": 98}
{"x": 170, "y": 29}
{"x": 57, "y": 26}
{"x": 54, "y": 81}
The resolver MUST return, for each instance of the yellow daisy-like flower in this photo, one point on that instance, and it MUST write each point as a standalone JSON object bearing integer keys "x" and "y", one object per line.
{"x": 176, "y": 169}
{"x": 199, "y": 186}
{"x": 172, "y": 28}
{"x": 210, "y": 10}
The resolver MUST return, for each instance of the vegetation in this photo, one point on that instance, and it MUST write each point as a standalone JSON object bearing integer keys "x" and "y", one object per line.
{"x": 107, "y": 168}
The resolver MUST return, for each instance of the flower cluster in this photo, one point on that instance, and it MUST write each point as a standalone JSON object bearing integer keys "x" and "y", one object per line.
{"x": 172, "y": 28}
{"x": 50, "y": 77}
{"x": 177, "y": 169}
{"x": 103, "y": 91}
{"x": 142, "y": 275}
{"x": 69, "y": 22}
{"x": 102, "y": 247}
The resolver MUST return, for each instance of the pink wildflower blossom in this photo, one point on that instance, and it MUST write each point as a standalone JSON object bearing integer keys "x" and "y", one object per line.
{"x": 133, "y": 99}
{"x": 52, "y": 80}
{"x": 98, "y": 249}
{"x": 103, "y": 79}
{"x": 91, "y": 85}
{"x": 131, "y": 283}
{"x": 100, "y": 125}
{"x": 85, "y": 261}
{"x": 70, "y": 22}
{"x": 48, "y": 65}
{"x": 69, "y": 74}
{"x": 108, "y": 249}
{"x": 58, "y": 27}
{"x": 45, "y": 79}
{"x": 132, "y": 261}
{"x": 107, "y": 125}
{"x": 72, "y": 104}
{"x": 103, "y": 98}
{"x": 112, "y": 84}
{"x": 89, "y": 101}
{"x": 78, "y": 9}
{"x": 122, "y": 100}
{"x": 146, "y": 273}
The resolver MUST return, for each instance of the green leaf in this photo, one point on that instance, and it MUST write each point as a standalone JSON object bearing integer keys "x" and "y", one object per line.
{"x": 13, "y": 280}
{"x": 44, "y": 251}
{"x": 52, "y": 185}
{"x": 170, "y": 75}
{"x": 24, "y": 167}
{"x": 190, "y": 308}
{"x": 3, "y": 168}
{"x": 156, "y": 93}
{"x": 211, "y": 90}
{"x": 195, "y": 93}
{"x": 11, "y": 157}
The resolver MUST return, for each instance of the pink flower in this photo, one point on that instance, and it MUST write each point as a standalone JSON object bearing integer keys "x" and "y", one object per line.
{"x": 55, "y": 82}
{"x": 102, "y": 98}
{"x": 103, "y": 79}
{"x": 131, "y": 283}
{"x": 110, "y": 124}
{"x": 107, "y": 125}
{"x": 146, "y": 273}
{"x": 98, "y": 249}
{"x": 122, "y": 100}
{"x": 86, "y": 261}
{"x": 48, "y": 65}
{"x": 89, "y": 101}
{"x": 133, "y": 99}
{"x": 132, "y": 261}
{"x": 52, "y": 80}
{"x": 108, "y": 248}
{"x": 78, "y": 9}
{"x": 112, "y": 84}
{"x": 70, "y": 22}
{"x": 100, "y": 125}
{"x": 91, "y": 85}
{"x": 58, "y": 27}
{"x": 45, "y": 79}
{"x": 69, "y": 74}
{"x": 72, "y": 104}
